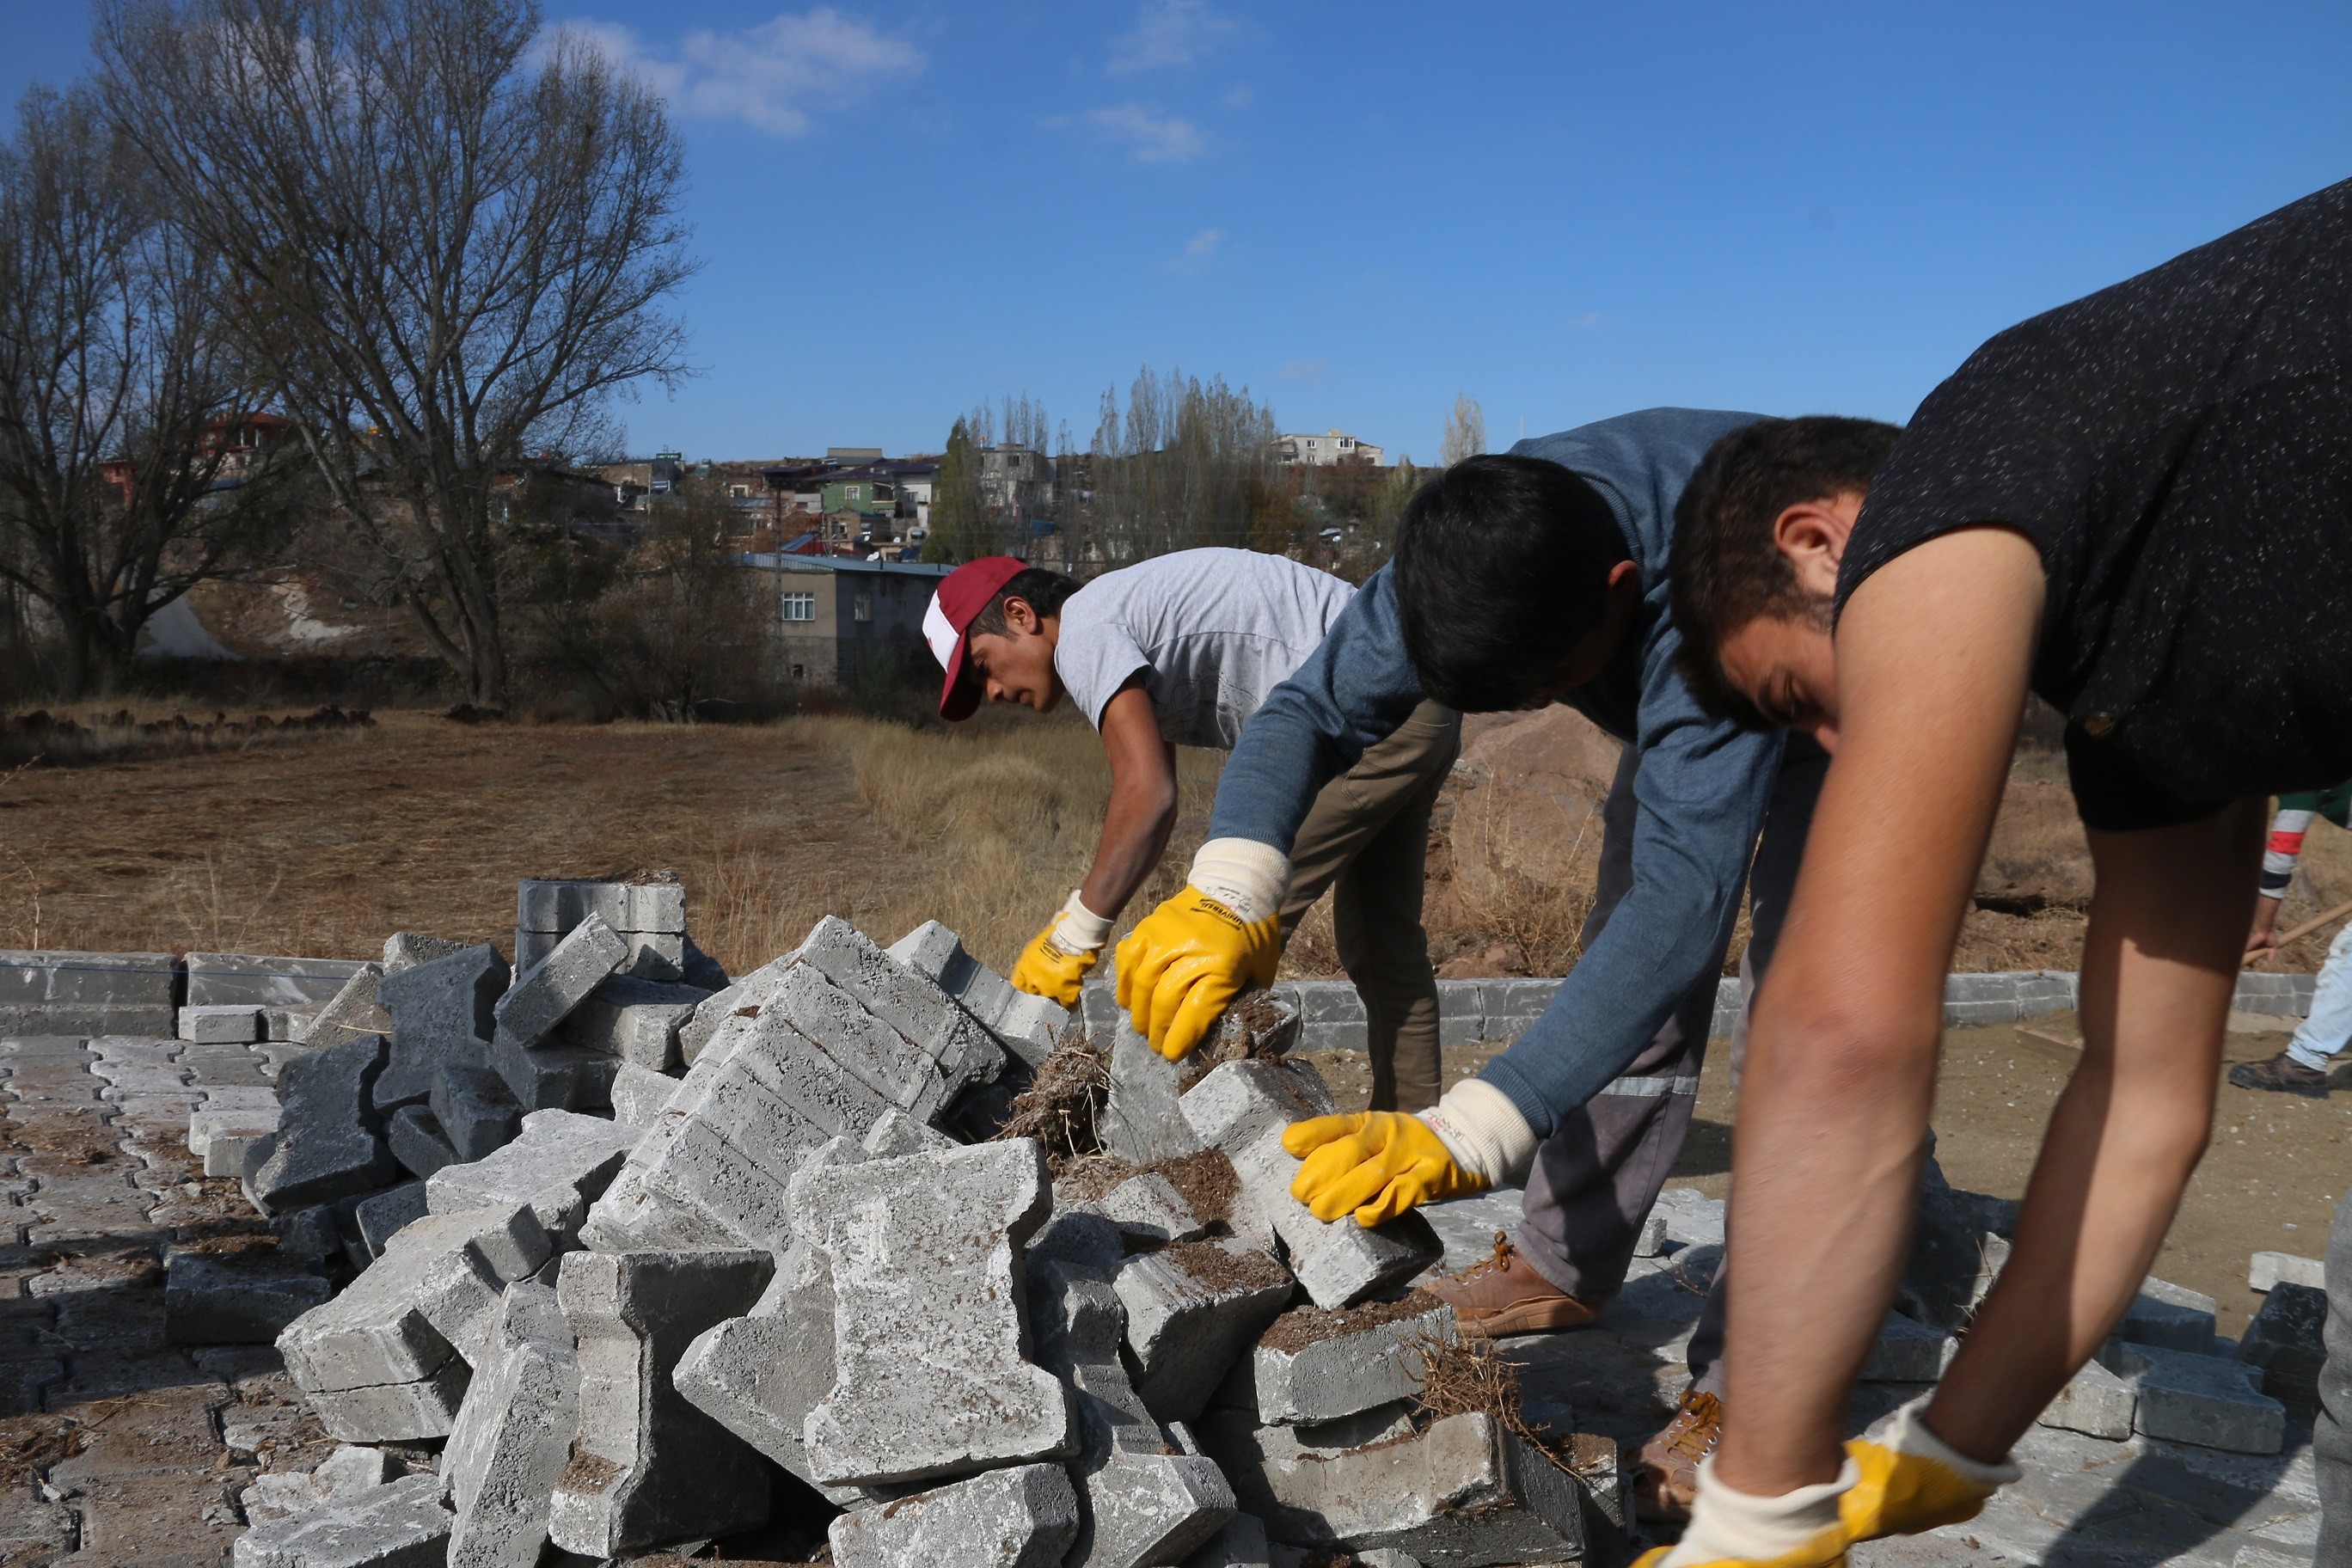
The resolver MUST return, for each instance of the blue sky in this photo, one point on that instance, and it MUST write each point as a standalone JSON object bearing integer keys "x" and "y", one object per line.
{"x": 1566, "y": 210}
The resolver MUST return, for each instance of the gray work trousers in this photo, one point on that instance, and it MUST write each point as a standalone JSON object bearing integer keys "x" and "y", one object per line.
{"x": 1367, "y": 839}
{"x": 1595, "y": 1178}
{"x": 2331, "y": 1437}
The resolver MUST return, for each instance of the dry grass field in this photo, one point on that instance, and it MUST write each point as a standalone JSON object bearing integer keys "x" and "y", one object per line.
{"x": 323, "y": 842}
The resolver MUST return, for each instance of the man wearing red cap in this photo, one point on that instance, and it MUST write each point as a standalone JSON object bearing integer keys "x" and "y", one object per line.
{"x": 1179, "y": 651}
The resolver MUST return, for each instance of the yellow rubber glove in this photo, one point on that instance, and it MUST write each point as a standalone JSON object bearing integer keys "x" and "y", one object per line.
{"x": 1049, "y": 969}
{"x": 1185, "y": 962}
{"x": 1911, "y": 1480}
{"x": 1377, "y": 1163}
{"x": 1055, "y": 961}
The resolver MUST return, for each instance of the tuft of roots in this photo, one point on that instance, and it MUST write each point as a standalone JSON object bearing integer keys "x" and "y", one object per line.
{"x": 1476, "y": 1379}
{"x": 1063, "y": 1103}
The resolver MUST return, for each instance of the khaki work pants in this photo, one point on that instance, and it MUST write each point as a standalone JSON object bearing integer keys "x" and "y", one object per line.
{"x": 1367, "y": 839}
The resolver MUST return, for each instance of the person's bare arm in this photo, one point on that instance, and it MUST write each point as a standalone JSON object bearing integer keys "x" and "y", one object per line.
{"x": 2160, "y": 964}
{"x": 1933, "y": 655}
{"x": 1142, "y": 802}
{"x": 2261, "y": 942}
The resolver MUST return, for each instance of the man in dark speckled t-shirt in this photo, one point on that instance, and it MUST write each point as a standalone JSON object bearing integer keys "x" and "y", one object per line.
{"x": 2134, "y": 506}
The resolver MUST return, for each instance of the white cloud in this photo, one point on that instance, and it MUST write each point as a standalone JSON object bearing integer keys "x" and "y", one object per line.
{"x": 1199, "y": 250}
{"x": 1148, "y": 136}
{"x": 771, "y": 77}
{"x": 1167, "y": 36}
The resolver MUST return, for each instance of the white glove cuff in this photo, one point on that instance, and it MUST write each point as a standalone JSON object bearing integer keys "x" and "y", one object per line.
{"x": 1906, "y": 1433}
{"x": 1736, "y": 1527}
{"x": 1081, "y": 929}
{"x": 1483, "y": 1130}
{"x": 1247, "y": 877}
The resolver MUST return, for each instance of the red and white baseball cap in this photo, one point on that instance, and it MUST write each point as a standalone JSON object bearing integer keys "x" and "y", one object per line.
{"x": 963, "y": 593}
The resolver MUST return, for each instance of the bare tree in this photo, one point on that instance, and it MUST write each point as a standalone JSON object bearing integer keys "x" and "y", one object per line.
{"x": 451, "y": 252}
{"x": 1466, "y": 431}
{"x": 1189, "y": 465}
{"x": 132, "y": 462}
{"x": 672, "y": 627}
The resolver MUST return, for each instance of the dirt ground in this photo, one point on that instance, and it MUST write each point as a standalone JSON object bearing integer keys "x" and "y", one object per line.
{"x": 2269, "y": 1181}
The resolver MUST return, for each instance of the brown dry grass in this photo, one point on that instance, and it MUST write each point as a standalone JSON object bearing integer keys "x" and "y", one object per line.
{"x": 1003, "y": 818}
{"x": 324, "y": 844}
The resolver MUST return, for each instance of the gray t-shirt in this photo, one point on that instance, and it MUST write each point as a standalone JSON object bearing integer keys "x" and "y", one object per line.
{"x": 1213, "y": 632}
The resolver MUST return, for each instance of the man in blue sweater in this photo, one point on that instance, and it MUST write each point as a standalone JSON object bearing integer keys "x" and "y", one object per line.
{"x": 1533, "y": 577}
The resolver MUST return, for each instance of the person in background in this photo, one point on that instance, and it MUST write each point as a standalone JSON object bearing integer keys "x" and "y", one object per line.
{"x": 2301, "y": 1069}
{"x": 1180, "y": 650}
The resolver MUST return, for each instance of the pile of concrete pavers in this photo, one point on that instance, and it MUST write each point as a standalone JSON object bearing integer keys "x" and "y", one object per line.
{"x": 2166, "y": 1374}
{"x": 638, "y": 1258}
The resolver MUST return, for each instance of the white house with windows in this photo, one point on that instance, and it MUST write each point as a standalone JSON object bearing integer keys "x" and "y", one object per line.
{"x": 1331, "y": 446}
{"x": 837, "y": 617}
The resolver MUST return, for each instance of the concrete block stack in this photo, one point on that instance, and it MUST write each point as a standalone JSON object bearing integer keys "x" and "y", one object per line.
{"x": 2163, "y": 1373}
{"x": 50, "y": 992}
{"x": 769, "y": 1242}
{"x": 648, "y": 914}
{"x": 242, "y": 996}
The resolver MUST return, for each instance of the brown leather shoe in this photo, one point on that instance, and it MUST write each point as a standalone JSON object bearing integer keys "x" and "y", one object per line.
{"x": 1665, "y": 1477}
{"x": 1504, "y": 1296}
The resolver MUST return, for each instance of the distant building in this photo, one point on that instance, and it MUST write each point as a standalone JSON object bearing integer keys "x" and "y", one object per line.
{"x": 236, "y": 441}
{"x": 632, "y": 478}
{"x": 1331, "y": 446}
{"x": 852, "y": 457}
{"x": 838, "y": 618}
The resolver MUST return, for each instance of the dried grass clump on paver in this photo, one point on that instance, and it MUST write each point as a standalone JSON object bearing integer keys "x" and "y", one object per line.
{"x": 1207, "y": 1263}
{"x": 1476, "y": 1379}
{"x": 1303, "y": 1326}
{"x": 1206, "y": 1181}
{"x": 1060, "y": 1106}
{"x": 1088, "y": 1177}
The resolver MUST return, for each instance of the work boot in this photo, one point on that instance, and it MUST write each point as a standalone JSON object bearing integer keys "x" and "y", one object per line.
{"x": 1503, "y": 1295}
{"x": 1665, "y": 1476}
{"x": 2281, "y": 1075}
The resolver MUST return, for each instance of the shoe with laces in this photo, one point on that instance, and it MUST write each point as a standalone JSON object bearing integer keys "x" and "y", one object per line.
{"x": 1503, "y": 1295}
{"x": 2281, "y": 1075}
{"x": 1665, "y": 1476}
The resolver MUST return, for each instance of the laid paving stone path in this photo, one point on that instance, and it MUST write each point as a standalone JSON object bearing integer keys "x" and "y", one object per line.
{"x": 116, "y": 1447}
{"x": 2083, "y": 1503}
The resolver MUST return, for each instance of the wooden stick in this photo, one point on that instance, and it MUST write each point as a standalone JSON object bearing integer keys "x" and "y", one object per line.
{"x": 2313, "y": 924}
{"x": 2052, "y": 1046}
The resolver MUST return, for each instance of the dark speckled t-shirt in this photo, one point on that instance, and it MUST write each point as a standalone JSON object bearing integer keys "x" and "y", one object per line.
{"x": 2180, "y": 449}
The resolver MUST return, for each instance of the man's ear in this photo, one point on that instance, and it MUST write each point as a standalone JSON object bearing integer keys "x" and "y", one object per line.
{"x": 1812, "y": 535}
{"x": 1021, "y": 618}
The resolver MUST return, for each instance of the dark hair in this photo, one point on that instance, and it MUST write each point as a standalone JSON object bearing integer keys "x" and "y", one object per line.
{"x": 1728, "y": 569}
{"x": 1044, "y": 590}
{"x": 1502, "y": 568}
